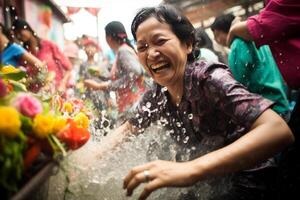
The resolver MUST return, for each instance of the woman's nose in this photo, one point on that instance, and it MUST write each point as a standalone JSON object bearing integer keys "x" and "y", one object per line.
{"x": 153, "y": 53}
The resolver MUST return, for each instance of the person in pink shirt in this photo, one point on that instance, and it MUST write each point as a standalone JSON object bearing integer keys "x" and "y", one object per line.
{"x": 46, "y": 51}
{"x": 278, "y": 25}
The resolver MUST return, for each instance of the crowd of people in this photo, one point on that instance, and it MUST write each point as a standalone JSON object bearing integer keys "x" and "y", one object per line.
{"x": 241, "y": 110}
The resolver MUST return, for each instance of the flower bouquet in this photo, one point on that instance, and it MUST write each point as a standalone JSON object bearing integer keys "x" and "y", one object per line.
{"x": 33, "y": 130}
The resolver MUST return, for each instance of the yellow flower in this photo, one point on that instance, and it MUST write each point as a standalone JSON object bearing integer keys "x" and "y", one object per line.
{"x": 10, "y": 123}
{"x": 43, "y": 125}
{"x": 82, "y": 120}
{"x": 68, "y": 107}
{"x": 59, "y": 124}
{"x": 9, "y": 69}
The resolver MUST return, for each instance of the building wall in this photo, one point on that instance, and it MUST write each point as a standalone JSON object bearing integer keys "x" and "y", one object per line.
{"x": 44, "y": 21}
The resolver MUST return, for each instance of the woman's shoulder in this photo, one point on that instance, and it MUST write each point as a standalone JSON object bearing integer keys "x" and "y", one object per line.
{"x": 201, "y": 69}
{"x": 14, "y": 48}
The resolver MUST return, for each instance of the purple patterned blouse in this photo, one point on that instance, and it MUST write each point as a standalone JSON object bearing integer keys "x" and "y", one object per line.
{"x": 213, "y": 104}
{"x": 215, "y": 110}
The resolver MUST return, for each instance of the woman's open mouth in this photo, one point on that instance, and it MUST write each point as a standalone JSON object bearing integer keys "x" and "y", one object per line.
{"x": 161, "y": 66}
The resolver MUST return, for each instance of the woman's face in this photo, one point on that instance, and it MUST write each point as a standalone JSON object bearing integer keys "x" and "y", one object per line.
{"x": 162, "y": 54}
{"x": 90, "y": 50}
{"x": 24, "y": 35}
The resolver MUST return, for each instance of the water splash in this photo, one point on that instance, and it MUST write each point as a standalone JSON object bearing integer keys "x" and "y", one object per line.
{"x": 94, "y": 176}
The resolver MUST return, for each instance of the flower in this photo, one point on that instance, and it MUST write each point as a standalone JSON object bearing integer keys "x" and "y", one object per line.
{"x": 10, "y": 123}
{"x": 81, "y": 120}
{"x": 28, "y": 105}
{"x": 59, "y": 124}
{"x": 73, "y": 136}
{"x": 43, "y": 125}
{"x": 9, "y": 69}
{"x": 3, "y": 88}
{"x": 68, "y": 107}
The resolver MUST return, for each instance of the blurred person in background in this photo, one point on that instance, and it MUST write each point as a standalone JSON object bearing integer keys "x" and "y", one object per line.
{"x": 46, "y": 51}
{"x": 254, "y": 68}
{"x": 126, "y": 74}
{"x": 278, "y": 25}
{"x": 207, "y": 51}
{"x": 15, "y": 55}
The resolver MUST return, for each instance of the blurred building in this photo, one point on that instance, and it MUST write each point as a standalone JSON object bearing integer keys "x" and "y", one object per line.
{"x": 45, "y": 17}
{"x": 203, "y": 12}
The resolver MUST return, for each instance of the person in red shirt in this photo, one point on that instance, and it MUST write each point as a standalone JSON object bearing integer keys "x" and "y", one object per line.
{"x": 46, "y": 51}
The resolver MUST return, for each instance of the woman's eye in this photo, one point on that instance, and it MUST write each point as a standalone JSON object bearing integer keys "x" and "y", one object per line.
{"x": 161, "y": 41}
{"x": 141, "y": 48}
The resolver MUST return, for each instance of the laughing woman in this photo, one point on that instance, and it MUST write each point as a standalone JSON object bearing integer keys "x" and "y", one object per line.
{"x": 202, "y": 104}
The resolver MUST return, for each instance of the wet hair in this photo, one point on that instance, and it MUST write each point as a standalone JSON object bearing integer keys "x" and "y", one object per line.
{"x": 19, "y": 25}
{"x": 179, "y": 24}
{"x": 6, "y": 32}
{"x": 223, "y": 23}
{"x": 117, "y": 31}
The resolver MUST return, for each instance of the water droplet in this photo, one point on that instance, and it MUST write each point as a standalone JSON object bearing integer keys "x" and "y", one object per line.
{"x": 190, "y": 116}
{"x": 164, "y": 89}
{"x": 148, "y": 105}
{"x": 186, "y": 139}
{"x": 178, "y": 124}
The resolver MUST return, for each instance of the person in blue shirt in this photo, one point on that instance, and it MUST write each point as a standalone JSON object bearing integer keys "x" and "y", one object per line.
{"x": 13, "y": 54}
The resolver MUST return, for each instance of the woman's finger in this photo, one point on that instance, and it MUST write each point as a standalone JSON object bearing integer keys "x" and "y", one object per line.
{"x": 149, "y": 188}
{"x": 139, "y": 178}
{"x": 134, "y": 171}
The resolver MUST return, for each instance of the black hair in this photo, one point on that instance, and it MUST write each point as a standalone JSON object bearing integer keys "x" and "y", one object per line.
{"x": 203, "y": 40}
{"x": 18, "y": 25}
{"x": 180, "y": 25}
{"x": 6, "y": 32}
{"x": 117, "y": 31}
{"x": 223, "y": 23}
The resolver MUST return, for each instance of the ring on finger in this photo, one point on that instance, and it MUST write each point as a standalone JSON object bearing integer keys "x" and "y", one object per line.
{"x": 146, "y": 175}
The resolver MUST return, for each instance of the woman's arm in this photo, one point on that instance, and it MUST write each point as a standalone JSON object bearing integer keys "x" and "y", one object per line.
{"x": 238, "y": 29}
{"x": 32, "y": 60}
{"x": 269, "y": 135}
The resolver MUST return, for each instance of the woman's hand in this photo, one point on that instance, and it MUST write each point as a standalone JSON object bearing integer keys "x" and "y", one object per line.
{"x": 158, "y": 174}
{"x": 95, "y": 85}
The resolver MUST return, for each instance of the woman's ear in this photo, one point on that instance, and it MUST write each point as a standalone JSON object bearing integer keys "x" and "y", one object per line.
{"x": 189, "y": 48}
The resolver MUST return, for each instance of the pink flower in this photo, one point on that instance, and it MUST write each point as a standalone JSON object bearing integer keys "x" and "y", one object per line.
{"x": 3, "y": 88}
{"x": 28, "y": 105}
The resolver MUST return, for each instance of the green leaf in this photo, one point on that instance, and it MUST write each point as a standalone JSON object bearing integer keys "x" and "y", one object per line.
{"x": 14, "y": 75}
{"x": 18, "y": 86}
{"x": 26, "y": 123}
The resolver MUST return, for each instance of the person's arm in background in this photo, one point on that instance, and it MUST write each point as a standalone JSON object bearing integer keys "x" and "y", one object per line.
{"x": 131, "y": 70}
{"x": 239, "y": 30}
{"x": 32, "y": 60}
{"x": 278, "y": 20}
{"x": 65, "y": 63}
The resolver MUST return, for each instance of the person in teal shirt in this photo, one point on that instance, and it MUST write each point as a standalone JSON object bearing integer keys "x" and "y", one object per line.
{"x": 254, "y": 68}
